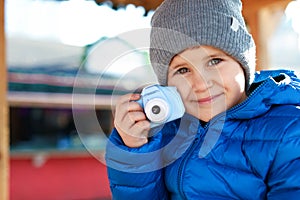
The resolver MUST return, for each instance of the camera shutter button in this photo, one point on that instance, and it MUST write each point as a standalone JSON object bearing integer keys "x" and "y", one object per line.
{"x": 157, "y": 110}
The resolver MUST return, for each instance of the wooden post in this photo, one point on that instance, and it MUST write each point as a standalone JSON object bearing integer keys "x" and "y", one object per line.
{"x": 269, "y": 19}
{"x": 4, "y": 137}
{"x": 262, "y": 17}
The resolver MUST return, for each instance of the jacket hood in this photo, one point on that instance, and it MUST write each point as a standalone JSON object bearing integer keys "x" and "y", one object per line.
{"x": 270, "y": 87}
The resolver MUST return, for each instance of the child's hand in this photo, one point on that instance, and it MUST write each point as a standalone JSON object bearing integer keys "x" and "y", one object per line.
{"x": 131, "y": 122}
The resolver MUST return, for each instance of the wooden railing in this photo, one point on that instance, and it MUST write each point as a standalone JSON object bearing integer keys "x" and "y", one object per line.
{"x": 4, "y": 143}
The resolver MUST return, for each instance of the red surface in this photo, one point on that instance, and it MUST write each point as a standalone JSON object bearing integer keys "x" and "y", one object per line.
{"x": 59, "y": 179}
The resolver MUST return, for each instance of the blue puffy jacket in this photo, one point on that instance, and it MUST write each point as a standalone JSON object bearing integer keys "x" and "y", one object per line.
{"x": 251, "y": 151}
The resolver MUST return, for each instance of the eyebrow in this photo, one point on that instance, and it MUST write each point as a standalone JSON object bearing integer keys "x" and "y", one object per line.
{"x": 177, "y": 64}
{"x": 219, "y": 54}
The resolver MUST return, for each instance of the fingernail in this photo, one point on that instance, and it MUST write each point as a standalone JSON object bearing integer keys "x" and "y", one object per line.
{"x": 136, "y": 96}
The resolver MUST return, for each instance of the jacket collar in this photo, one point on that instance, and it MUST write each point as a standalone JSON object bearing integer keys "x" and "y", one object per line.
{"x": 271, "y": 87}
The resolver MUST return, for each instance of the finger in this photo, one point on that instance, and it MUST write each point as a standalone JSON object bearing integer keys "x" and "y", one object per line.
{"x": 135, "y": 117}
{"x": 137, "y": 135}
{"x": 137, "y": 131}
{"x": 128, "y": 103}
{"x": 130, "y": 113}
{"x": 135, "y": 97}
{"x": 130, "y": 119}
{"x": 123, "y": 106}
{"x": 128, "y": 97}
{"x": 143, "y": 127}
{"x": 135, "y": 128}
{"x": 134, "y": 106}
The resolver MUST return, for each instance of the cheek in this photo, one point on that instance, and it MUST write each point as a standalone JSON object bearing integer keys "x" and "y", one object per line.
{"x": 176, "y": 81}
{"x": 234, "y": 77}
{"x": 236, "y": 84}
{"x": 182, "y": 85}
{"x": 183, "y": 92}
{"x": 240, "y": 80}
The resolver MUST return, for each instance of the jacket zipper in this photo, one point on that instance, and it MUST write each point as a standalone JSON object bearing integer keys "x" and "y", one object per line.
{"x": 182, "y": 164}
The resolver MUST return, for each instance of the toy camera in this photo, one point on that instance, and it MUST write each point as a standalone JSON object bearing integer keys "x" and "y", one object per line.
{"x": 161, "y": 104}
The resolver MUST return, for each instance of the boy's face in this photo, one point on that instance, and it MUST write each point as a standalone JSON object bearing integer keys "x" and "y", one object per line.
{"x": 208, "y": 80}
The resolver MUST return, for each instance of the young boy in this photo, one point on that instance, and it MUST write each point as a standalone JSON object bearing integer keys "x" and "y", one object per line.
{"x": 239, "y": 137}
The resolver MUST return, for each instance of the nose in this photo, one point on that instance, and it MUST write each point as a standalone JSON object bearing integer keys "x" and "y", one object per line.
{"x": 200, "y": 82}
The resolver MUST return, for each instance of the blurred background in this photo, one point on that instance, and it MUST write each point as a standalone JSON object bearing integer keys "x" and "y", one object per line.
{"x": 67, "y": 62}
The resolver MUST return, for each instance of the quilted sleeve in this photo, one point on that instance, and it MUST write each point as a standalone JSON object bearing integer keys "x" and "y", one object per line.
{"x": 284, "y": 177}
{"x": 135, "y": 173}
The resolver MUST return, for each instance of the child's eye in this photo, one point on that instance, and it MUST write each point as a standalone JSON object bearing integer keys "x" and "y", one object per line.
{"x": 214, "y": 61}
{"x": 182, "y": 70}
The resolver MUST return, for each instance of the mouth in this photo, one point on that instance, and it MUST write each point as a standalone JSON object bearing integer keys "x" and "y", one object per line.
{"x": 209, "y": 99}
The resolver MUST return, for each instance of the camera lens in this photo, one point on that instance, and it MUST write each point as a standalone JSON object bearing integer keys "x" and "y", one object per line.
{"x": 156, "y": 109}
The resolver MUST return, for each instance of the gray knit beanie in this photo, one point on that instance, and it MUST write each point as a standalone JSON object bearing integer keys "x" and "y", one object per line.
{"x": 181, "y": 24}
